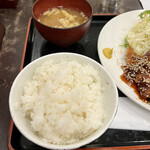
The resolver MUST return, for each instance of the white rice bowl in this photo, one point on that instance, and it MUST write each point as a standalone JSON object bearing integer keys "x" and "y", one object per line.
{"x": 63, "y": 101}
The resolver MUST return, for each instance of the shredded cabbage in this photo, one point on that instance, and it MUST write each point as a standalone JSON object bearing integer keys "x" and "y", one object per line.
{"x": 139, "y": 36}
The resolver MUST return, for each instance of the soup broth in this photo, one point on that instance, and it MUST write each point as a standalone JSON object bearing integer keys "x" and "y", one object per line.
{"x": 62, "y": 18}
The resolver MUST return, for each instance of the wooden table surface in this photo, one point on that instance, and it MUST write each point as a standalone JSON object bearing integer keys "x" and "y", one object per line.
{"x": 15, "y": 22}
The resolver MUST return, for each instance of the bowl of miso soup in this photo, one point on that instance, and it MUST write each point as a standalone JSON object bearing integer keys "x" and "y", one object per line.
{"x": 62, "y": 22}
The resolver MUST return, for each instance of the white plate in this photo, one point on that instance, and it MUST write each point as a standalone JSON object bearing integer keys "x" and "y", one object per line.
{"x": 112, "y": 36}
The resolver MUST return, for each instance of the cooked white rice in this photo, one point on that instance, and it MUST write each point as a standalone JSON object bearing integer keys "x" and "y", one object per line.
{"x": 64, "y": 101}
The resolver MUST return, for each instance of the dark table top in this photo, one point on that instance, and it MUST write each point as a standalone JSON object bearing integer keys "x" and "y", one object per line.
{"x": 15, "y": 22}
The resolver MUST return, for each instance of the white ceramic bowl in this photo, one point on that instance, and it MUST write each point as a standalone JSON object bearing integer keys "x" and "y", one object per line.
{"x": 110, "y": 100}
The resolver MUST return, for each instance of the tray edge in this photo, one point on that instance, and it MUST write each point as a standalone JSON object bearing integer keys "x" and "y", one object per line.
{"x": 21, "y": 67}
{"x": 119, "y": 148}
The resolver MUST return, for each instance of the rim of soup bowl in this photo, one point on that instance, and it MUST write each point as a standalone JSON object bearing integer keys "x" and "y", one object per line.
{"x": 89, "y": 18}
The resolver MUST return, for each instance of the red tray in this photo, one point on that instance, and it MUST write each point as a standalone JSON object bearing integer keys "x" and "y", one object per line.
{"x": 112, "y": 139}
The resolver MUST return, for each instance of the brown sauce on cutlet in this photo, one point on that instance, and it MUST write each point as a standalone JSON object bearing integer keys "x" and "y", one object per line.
{"x": 133, "y": 86}
{"x": 137, "y": 74}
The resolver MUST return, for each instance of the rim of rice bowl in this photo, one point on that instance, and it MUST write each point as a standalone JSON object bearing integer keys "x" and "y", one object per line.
{"x": 68, "y": 56}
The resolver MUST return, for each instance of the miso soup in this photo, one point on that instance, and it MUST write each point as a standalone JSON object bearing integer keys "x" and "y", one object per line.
{"x": 62, "y": 18}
